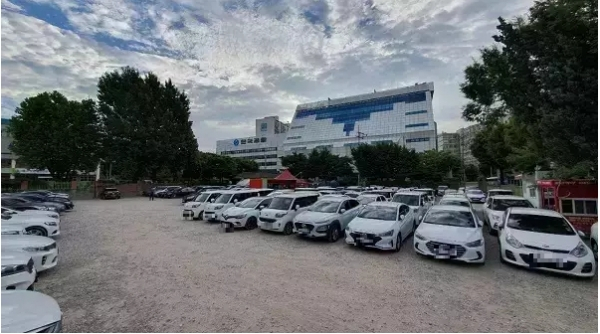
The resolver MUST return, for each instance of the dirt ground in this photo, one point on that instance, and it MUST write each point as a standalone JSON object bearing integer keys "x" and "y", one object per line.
{"x": 132, "y": 265}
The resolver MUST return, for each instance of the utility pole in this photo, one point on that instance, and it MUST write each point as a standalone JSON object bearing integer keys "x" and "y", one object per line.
{"x": 359, "y": 137}
{"x": 462, "y": 156}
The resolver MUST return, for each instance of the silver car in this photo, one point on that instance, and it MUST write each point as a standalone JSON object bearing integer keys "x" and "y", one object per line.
{"x": 327, "y": 218}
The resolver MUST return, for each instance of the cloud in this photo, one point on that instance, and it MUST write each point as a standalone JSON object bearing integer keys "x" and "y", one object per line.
{"x": 243, "y": 59}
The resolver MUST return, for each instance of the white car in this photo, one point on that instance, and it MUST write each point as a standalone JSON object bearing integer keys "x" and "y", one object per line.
{"x": 594, "y": 239}
{"x": 456, "y": 200}
{"x": 418, "y": 202}
{"x": 13, "y": 229}
{"x": 365, "y": 199}
{"x": 327, "y": 218}
{"x": 280, "y": 192}
{"x": 195, "y": 208}
{"x": 214, "y": 211}
{"x": 381, "y": 225}
{"x": 245, "y": 214}
{"x": 35, "y": 225}
{"x": 28, "y": 213}
{"x": 30, "y": 312}
{"x": 430, "y": 193}
{"x": 495, "y": 207}
{"x": 544, "y": 240}
{"x": 497, "y": 192}
{"x": 451, "y": 232}
{"x": 18, "y": 271}
{"x": 475, "y": 195}
{"x": 279, "y": 215}
{"x": 43, "y": 250}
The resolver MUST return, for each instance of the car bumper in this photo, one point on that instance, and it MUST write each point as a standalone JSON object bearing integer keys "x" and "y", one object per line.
{"x": 314, "y": 231}
{"x": 21, "y": 281}
{"x": 476, "y": 200}
{"x": 276, "y": 226}
{"x": 237, "y": 222}
{"x": 212, "y": 217}
{"x": 553, "y": 262}
{"x": 45, "y": 260}
{"x": 383, "y": 243}
{"x": 469, "y": 255}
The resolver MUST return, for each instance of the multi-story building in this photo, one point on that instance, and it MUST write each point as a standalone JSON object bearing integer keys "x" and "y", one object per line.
{"x": 466, "y": 136}
{"x": 265, "y": 147}
{"x": 448, "y": 141}
{"x": 403, "y": 116}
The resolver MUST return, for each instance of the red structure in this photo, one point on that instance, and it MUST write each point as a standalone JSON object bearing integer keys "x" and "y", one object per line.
{"x": 577, "y": 200}
{"x": 285, "y": 180}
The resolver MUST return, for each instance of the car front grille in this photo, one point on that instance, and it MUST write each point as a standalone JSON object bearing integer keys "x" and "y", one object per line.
{"x": 434, "y": 245}
{"x": 267, "y": 220}
{"x": 565, "y": 266}
{"x": 371, "y": 236}
{"x": 308, "y": 227}
{"x": 562, "y": 251}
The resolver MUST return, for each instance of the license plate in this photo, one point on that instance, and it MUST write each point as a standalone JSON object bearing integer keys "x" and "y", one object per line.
{"x": 365, "y": 240}
{"x": 302, "y": 230}
{"x": 267, "y": 225}
{"x": 213, "y": 216}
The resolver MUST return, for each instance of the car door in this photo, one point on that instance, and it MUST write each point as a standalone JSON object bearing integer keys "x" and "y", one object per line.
{"x": 487, "y": 209}
{"x": 351, "y": 208}
{"x": 403, "y": 220}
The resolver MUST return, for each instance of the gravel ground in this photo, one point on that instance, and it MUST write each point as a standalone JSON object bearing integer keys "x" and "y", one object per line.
{"x": 131, "y": 265}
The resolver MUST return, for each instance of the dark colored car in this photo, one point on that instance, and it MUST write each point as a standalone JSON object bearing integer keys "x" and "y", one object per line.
{"x": 46, "y": 193}
{"x": 19, "y": 205}
{"x": 49, "y": 199}
{"x": 110, "y": 193}
{"x": 169, "y": 192}
{"x": 35, "y": 201}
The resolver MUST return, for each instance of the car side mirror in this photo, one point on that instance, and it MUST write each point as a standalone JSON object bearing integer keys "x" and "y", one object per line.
{"x": 479, "y": 223}
{"x": 297, "y": 207}
{"x": 500, "y": 227}
{"x": 212, "y": 200}
{"x": 402, "y": 217}
{"x": 261, "y": 207}
{"x": 581, "y": 233}
{"x": 342, "y": 210}
{"x": 235, "y": 200}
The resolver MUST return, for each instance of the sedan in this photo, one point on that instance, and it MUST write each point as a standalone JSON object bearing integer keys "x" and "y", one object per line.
{"x": 30, "y": 312}
{"x": 327, "y": 218}
{"x": 30, "y": 213}
{"x": 42, "y": 226}
{"x": 18, "y": 271}
{"x": 43, "y": 250}
{"x": 450, "y": 232}
{"x": 475, "y": 195}
{"x": 245, "y": 214}
{"x": 381, "y": 225}
{"x": 544, "y": 240}
{"x": 20, "y": 204}
{"x": 35, "y": 200}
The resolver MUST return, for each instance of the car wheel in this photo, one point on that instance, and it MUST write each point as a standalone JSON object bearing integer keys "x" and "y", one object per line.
{"x": 201, "y": 215}
{"x": 288, "y": 229}
{"x": 333, "y": 234}
{"x": 398, "y": 244}
{"x": 37, "y": 231}
{"x": 251, "y": 223}
{"x": 594, "y": 248}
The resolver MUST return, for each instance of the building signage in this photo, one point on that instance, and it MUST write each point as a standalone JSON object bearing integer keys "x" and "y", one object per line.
{"x": 236, "y": 142}
{"x": 263, "y": 127}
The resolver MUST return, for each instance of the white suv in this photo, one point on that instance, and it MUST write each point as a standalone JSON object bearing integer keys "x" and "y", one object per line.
{"x": 245, "y": 214}
{"x": 327, "y": 218}
{"x": 418, "y": 201}
{"x": 195, "y": 208}
{"x": 228, "y": 198}
{"x": 279, "y": 215}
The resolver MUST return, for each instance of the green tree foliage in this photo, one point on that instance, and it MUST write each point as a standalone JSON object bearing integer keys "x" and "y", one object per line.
{"x": 471, "y": 172}
{"x": 435, "y": 166}
{"x": 297, "y": 164}
{"x": 385, "y": 161}
{"x": 146, "y": 123}
{"x": 543, "y": 74}
{"x": 53, "y": 132}
{"x": 209, "y": 166}
{"x": 320, "y": 163}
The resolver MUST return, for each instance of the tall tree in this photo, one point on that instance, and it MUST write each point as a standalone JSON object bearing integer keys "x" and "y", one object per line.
{"x": 52, "y": 132}
{"x": 385, "y": 161}
{"x": 544, "y": 73}
{"x": 147, "y": 124}
{"x": 296, "y": 163}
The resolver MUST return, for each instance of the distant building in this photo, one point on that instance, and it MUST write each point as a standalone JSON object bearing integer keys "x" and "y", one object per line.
{"x": 265, "y": 147}
{"x": 466, "y": 136}
{"x": 450, "y": 142}
{"x": 403, "y": 116}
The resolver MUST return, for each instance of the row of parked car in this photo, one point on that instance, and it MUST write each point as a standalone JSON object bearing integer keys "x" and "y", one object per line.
{"x": 450, "y": 229}
{"x": 30, "y": 222}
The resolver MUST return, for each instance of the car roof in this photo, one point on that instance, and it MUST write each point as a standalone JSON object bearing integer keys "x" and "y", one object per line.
{"x": 450, "y": 208}
{"x": 212, "y": 191}
{"x": 501, "y": 190}
{"x": 423, "y": 189}
{"x": 455, "y": 198}
{"x": 508, "y": 197}
{"x": 414, "y": 193}
{"x": 388, "y": 204}
{"x": 535, "y": 211}
{"x": 333, "y": 198}
{"x": 299, "y": 194}
{"x": 370, "y": 195}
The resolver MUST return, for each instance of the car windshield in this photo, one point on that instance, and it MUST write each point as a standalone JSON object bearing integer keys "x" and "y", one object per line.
{"x": 224, "y": 198}
{"x": 379, "y": 212}
{"x": 411, "y": 200}
{"x": 250, "y": 203}
{"x": 281, "y": 203}
{"x": 503, "y": 204}
{"x": 201, "y": 198}
{"x": 366, "y": 199}
{"x": 325, "y": 206}
{"x": 454, "y": 202}
{"x": 541, "y": 224}
{"x": 450, "y": 218}
{"x": 352, "y": 195}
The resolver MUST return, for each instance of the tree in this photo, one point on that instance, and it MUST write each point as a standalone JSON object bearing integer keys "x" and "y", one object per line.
{"x": 320, "y": 163}
{"x": 471, "y": 172}
{"x": 52, "y": 132}
{"x": 435, "y": 166}
{"x": 296, "y": 163}
{"x": 544, "y": 74}
{"x": 385, "y": 161}
{"x": 146, "y": 123}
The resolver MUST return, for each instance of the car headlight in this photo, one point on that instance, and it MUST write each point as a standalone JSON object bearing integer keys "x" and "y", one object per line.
{"x": 195, "y": 206}
{"x": 50, "y": 223}
{"x": 476, "y": 243}
{"x": 580, "y": 250}
{"x": 513, "y": 241}
{"x": 386, "y": 234}
{"x": 420, "y": 237}
{"x": 33, "y": 249}
{"x": 12, "y": 269}
{"x": 348, "y": 230}
{"x": 279, "y": 215}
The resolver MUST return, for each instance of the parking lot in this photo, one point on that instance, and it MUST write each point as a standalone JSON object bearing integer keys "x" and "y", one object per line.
{"x": 132, "y": 265}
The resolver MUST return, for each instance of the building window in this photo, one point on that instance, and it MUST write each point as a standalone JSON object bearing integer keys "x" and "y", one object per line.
{"x": 263, "y": 139}
{"x": 382, "y": 142}
{"x": 416, "y": 140}
{"x": 579, "y": 206}
{"x": 416, "y": 125}
{"x": 298, "y": 127}
{"x": 415, "y": 112}
{"x": 351, "y": 144}
{"x": 294, "y": 137}
{"x": 263, "y": 127}
{"x": 532, "y": 192}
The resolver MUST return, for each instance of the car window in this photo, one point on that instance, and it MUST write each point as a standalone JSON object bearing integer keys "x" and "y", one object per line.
{"x": 412, "y": 200}
{"x": 379, "y": 212}
{"x": 450, "y": 218}
{"x": 281, "y": 203}
{"x": 541, "y": 224}
{"x": 454, "y": 202}
{"x": 404, "y": 210}
{"x": 325, "y": 206}
{"x": 250, "y": 203}
{"x": 266, "y": 202}
{"x": 503, "y": 204}
{"x": 353, "y": 203}
{"x": 224, "y": 199}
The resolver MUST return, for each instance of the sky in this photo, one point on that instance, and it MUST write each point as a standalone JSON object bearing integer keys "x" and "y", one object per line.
{"x": 239, "y": 60}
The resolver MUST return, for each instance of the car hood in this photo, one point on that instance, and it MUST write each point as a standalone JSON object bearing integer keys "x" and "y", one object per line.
{"x": 12, "y": 228}
{"x": 314, "y": 217}
{"x": 35, "y": 213}
{"x": 449, "y": 234}
{"x": 545, "y": 240}
{"x": 21, "y": 241}
{"x": 23, "y": 311}
{"x": 475, "y": 195}
{"x": 14, "y": 257}
{"x": 234, "y": 211}
{"x": 270, "y": 213}
{"x": 375, "y": 226}
{"x": 29, "y": 220}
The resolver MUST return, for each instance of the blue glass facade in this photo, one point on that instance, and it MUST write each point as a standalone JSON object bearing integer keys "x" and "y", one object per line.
{"x": 350, "y": 113}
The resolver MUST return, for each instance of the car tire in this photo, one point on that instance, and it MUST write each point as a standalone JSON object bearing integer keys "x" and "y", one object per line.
{"x": 594, "y": 245}
{"x": 201, "y": 215}
{"x": 251, "y": 223}
{"x": 398, "y": 244}
{"x": 35, "y": 230}
{"x": 288, "y": 229}
{"x": 333, "y": 234}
